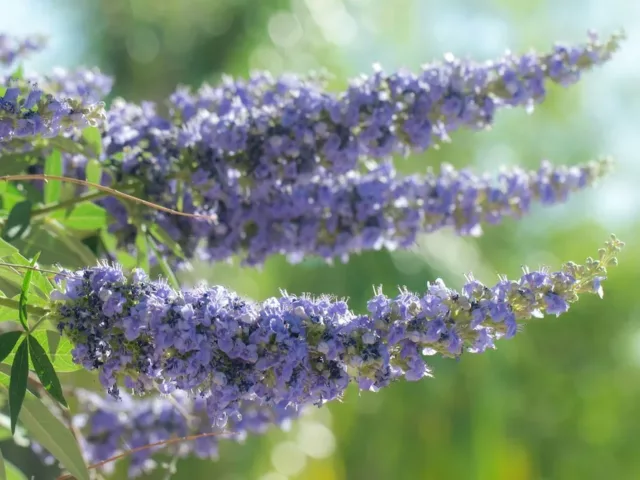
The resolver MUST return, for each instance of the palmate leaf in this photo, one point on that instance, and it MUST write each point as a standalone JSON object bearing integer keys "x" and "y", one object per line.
{"x": 58, "y": 349}
{"x": 62, "y": 357}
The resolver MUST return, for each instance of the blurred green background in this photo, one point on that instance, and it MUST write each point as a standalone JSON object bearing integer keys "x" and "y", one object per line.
{"x": 561, "y": 401}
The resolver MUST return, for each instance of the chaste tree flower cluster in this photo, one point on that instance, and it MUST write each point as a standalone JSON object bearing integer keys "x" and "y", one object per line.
{"x": 263, "y": 166}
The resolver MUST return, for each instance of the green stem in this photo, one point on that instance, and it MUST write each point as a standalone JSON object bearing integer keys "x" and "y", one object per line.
{"x": 15, "y": 305}
{"x": 86, "y": 197}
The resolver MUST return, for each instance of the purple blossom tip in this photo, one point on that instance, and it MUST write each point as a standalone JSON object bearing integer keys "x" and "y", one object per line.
{"x": 14, "y": 48}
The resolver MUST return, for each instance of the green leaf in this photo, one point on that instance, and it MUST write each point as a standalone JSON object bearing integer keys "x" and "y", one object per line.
{"x": 111, "y": 246}
{"x": 7, "y": 342}
{"x": 9, "y": 199}
{"x": 8, "y": 315}
{"x": 71, "y": 242}
{"x": 165, "y": 239}
{"x": 3, "y": 468}
{"x": 8, "y": 471}
{"x": 44, "y": 369}
{"x": 62, "y": 358}
{"x": 52, "y": 434}
{"x": 6, "y": 249}
{"x": 18, "y": 74}
{"x": 94, "y": 171}
{"x": 14, "y": 275}
{"x": 13, "y": 473}
{"x": 164, "y": 266}
{"x": 18, "y": 222}
{"x": 86, "y": 216}
{"x": 180, "y": 195}
{"x": 54, "y": 250}
{"x": 20, "y": 438}
{"x": 16, "y": 163}
{"x": 53, "y": 166}
{"x": 59, "y": 349}
{"x": 93, "y": 139}
{"x": 18, "y": 382}
{"x": 43, "y": 338}
{"x": 24, "y": 294}
{"x": 52, "y": 342}
{"x": 143, "y": 250}
{"x": 69, "y": 145}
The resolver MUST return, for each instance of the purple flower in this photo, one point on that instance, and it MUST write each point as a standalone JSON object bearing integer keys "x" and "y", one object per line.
{"x": 13, "y": 48}
{"x": 281, "y": 129}
{"x": 27, "y": 112}
{"x": 334, "y": 217}
{"x": 88, "y": 85}
{"x": 292, "y": 350}
{"x": 285, "y": 164}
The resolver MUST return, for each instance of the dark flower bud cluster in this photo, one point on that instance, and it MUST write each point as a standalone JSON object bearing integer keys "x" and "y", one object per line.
{"x": 290, "y": 351}
{"x": 13, "y": 48}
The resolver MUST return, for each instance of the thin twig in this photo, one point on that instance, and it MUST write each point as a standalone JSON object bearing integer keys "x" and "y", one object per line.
{"x": 110, "y": 191}
{"x": 170, "y": 441}
{"x": 35, "y": 269}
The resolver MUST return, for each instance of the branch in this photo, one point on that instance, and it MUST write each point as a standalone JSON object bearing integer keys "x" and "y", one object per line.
{"x": 170, "y": 441}
{"x": 35, "y": 269}
{"x": 110, "y": 191}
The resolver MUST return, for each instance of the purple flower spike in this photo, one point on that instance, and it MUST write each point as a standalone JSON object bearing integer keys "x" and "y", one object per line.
{"x": 292, "y": 351}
